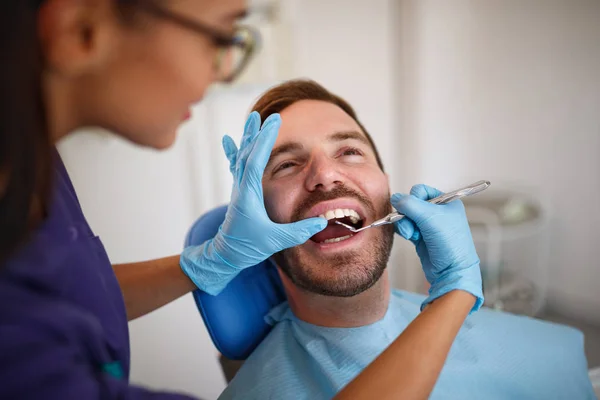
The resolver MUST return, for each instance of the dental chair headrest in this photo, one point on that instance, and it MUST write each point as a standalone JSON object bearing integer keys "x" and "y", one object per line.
{"x": 235, "y": 317}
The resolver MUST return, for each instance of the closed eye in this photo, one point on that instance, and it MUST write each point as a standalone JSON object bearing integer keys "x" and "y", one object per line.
{"x": 351, "y": 151}
{"x": 284, "y": 165}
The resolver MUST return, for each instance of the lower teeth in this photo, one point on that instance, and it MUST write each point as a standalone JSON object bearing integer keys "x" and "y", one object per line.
{"x": 334, "y": 240}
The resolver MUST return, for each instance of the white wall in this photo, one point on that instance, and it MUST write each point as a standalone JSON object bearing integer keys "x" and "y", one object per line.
{"x": 510, "y": 91}
{"x": 347, "y": 47}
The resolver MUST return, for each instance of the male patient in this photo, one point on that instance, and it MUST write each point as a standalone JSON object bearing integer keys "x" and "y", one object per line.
{"x": 341, "y": 312}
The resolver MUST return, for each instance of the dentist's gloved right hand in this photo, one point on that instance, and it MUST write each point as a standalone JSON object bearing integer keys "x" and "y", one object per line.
{"x": 443, "y": 242}
{"x": 247, "y": 236}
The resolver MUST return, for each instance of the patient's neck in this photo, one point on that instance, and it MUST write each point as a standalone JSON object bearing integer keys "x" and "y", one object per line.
{"x": 339, "y": 312}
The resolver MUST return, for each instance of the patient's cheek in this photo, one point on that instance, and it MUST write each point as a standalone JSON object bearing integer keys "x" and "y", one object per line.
{"x": 376, "y": 187}
{"x": 273, "y": 205}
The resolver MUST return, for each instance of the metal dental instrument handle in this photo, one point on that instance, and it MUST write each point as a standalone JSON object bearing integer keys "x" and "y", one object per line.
{"x": 443, "y": 199}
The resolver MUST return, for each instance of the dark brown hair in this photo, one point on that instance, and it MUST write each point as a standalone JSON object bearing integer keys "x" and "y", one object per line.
{"x": 25, "y": 146}
{"x": 282, "y": 96}
{"x": 26, "y": 149}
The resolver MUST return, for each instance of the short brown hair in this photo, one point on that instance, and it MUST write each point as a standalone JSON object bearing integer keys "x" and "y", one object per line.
{"x": 280, "y": 97}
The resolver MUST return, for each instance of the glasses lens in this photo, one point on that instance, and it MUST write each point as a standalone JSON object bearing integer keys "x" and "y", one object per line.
{"x": 235, "y": 57}
{"x": 230, "y": 60}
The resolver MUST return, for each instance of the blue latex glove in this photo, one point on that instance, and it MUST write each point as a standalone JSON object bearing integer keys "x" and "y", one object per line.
{"x": 443, "y": 240}
{"x": 247, "y": 235}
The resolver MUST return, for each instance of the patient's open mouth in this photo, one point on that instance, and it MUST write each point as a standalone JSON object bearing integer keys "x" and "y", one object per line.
{"x": 337, "y": 233}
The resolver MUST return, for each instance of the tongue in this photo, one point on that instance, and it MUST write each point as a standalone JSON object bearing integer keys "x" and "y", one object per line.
{"x": 332, "y": 231}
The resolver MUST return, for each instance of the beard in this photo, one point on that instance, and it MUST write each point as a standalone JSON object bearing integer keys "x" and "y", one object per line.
{"x": 346, "y": 274}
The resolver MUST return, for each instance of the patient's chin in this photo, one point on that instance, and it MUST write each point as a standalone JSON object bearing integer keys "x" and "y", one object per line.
{"x": 339, "y": 275}
{"x": 342, "y": 284}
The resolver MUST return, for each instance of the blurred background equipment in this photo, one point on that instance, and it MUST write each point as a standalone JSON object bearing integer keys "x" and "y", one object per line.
{"x": 509, "y": 229}
{"x": 595, "y": 376}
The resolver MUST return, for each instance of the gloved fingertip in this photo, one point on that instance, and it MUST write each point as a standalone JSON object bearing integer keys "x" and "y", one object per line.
{"x": 403, "y": 233}
{"x": 416, "y": 236}
{"x": 261, "y": 149}
{"x": 317, "y": 224}
{"x": 272, "y": 119}
{"x": 323, "y": 222}
{"x": 396, "y": 197}
{"x": 424, "y": 192}
{"x": 303, "y": 230}
{"x": 405, "y": 228}
{"x": 229, "y": 146}
{"x": 271, "y": 126}
{"x": 412, "y": 207}
{"x": 251, "y": 129}
{"x": 419, "y": 191}
{"x": 253, "y": 121}
{"x": 227, "y": 142}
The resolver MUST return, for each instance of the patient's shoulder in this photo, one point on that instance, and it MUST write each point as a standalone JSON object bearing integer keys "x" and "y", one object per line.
{"x": 534, "y": 337}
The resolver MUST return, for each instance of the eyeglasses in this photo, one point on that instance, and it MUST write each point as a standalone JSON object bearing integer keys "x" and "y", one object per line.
{"x": 235, "y": 51}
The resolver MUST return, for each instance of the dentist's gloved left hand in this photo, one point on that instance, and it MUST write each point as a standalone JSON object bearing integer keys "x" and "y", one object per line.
{"x": 247, "y": 235}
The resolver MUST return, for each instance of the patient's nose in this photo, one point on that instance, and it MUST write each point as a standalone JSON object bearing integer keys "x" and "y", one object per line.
{"x": 323, "y": 175}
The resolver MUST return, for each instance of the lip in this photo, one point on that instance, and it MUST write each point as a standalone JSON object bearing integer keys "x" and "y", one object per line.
{"x": 325, "y": 206}
{"x": 187, "y": 115}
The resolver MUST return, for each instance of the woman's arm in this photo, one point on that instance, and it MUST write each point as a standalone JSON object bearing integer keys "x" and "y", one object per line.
{"x": 149, "y": 285}
{"x": 410, "y": 366}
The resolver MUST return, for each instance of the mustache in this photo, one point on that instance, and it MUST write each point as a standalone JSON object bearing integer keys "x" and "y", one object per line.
{"x": 339, "y": 191}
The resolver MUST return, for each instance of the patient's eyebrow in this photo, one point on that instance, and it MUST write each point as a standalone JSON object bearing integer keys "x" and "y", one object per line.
{"x": 346, "y": 135}
{"x": 284, "y": 148}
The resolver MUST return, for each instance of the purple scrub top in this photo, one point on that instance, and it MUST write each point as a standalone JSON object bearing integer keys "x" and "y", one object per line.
{"x": 63, "y": 325}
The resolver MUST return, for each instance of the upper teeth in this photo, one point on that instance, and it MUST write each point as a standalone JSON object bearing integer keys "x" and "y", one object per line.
{"x": 341, "y": 213}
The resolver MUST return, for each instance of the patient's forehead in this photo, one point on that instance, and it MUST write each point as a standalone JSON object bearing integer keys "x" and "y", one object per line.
{"x": 313, "y": 120}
